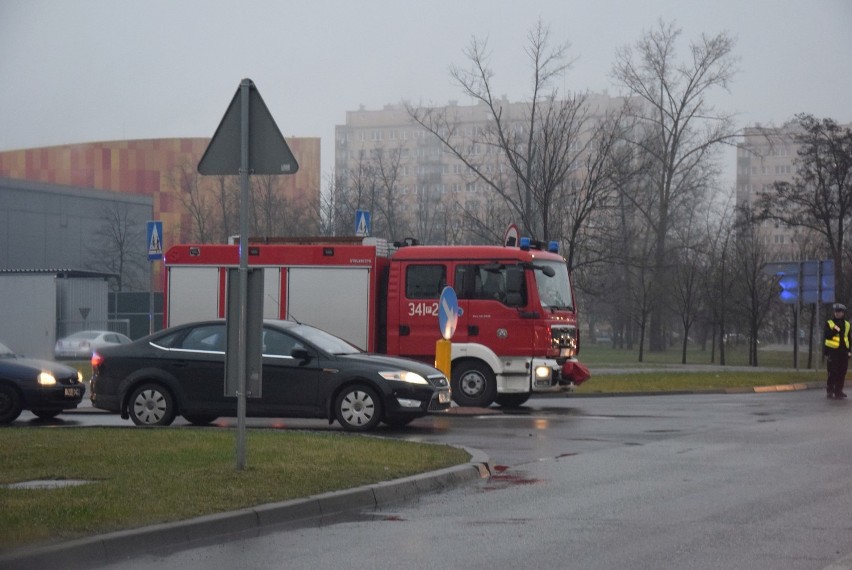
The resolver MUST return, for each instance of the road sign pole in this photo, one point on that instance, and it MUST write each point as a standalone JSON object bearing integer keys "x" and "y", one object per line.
{"x": 247, "y": 141}
{"x": 154, "y": 235}
{"x": 243, "y": 280}
{"x": 151, "y": 298}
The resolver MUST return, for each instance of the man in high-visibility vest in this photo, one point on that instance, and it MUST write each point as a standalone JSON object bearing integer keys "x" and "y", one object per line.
{"x": 837, "y": 351}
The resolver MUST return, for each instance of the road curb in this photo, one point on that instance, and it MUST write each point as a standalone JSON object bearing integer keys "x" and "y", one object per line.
{"x": 314, "y": 511}
{"x": 746, "y": 390}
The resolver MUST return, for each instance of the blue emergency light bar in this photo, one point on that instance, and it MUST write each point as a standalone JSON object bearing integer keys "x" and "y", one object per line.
{"x": 527, "y": 244}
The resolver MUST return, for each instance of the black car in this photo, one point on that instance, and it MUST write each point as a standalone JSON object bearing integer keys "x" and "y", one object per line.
{"x": 307, "y": 372}
{"x": 41, "y": 386}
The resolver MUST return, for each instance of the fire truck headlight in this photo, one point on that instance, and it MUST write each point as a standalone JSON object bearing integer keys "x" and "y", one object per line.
{"x": 543, "y": 372}
{"x": 403, "y": 376}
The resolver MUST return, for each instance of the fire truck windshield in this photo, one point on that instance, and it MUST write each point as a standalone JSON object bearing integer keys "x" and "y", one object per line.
{"x": 553, "y": 290}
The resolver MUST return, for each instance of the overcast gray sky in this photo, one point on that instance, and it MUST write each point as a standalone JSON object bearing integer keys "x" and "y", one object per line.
{"x": 76, "y": 71}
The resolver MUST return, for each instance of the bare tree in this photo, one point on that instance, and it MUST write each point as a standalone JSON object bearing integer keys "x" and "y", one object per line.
{"x": 357, "y": 189}
{"x": 325, "y": 212}
{"x": 187, "y": 182}
{"x": 527, "y": 159}
{"x": 375, "y": 184}
{"x": 273, "y": 214}
{"x": 690, "y": 270}
{"x": 719, "y": 279}
{"x": 436, "y": 219}
{"x": 119, "y": 247}
{"x": 586, "y": 200}
{"x": 228, "y": 205}
{"x": 387, "y": 167}
{"x": 820, "y": 197}
{"x": 267, "y": 207}
{"x": 639, "y": 280}
{"x": 680, "y": 129}
{"x": 755, "y": 292}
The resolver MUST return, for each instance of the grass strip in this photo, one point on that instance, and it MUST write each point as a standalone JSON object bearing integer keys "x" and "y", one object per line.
{"x": 146, "y": 476}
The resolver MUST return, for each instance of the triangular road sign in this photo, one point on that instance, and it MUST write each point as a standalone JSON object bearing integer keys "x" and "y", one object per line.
{"x": 268, "y": 151}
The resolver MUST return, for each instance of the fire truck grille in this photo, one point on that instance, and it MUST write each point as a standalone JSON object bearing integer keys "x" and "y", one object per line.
{"x": 563, "y": 337}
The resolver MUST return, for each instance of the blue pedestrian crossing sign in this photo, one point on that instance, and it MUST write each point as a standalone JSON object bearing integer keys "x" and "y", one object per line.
{"x": 155, "y": 240}
{"x": 362, "y": 223}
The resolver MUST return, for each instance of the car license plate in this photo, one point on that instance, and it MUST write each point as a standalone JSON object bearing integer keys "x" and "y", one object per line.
{"x": 444, "y": 397}
{"x": 72, "y": 392}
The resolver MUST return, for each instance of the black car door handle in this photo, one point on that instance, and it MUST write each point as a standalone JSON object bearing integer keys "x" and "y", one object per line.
{"x": 180, "y": 364}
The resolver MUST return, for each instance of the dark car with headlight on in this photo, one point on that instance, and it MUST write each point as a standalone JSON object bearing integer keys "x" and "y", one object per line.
{"x": 44, "y": 387}
{"x": 306, "y": 372}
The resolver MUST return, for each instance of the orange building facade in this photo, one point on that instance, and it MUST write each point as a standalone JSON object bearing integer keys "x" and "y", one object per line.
{"x": 149, "y": 168}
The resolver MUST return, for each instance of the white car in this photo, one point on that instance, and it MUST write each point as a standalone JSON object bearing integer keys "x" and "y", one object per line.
{"x": 82, "y": 344}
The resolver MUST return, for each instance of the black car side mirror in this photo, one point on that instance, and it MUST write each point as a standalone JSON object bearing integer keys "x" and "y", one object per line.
{"x": 301, "y": 354}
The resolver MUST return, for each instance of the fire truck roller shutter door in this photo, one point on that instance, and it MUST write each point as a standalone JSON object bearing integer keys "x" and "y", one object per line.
{"x": 193, "y": 294}
{"x": 334, "y": 299}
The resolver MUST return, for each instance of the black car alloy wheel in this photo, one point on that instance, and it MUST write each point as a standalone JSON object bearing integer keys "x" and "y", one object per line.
{"x": 358, "y": 408}
{"x": 151, "y": 405}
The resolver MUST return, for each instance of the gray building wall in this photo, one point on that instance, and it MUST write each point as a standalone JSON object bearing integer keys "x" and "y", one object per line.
{"x": 52, "y": 229}
{"x": 39, "y": 307}
{"x": 28, "y": 314}
{"x": 47, "y": 226}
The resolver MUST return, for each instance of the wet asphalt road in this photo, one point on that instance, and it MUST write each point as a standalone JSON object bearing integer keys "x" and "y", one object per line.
{"x": 683, "y": 481}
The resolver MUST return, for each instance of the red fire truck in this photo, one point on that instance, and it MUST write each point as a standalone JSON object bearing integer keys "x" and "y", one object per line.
{"x": 516, "y": 332}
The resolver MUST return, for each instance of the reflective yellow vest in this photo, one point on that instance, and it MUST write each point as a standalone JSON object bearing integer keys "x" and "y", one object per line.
{"x": 834, "y": 341}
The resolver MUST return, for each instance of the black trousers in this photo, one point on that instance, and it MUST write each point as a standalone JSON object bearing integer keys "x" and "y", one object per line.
{"x": 838, "y": 364}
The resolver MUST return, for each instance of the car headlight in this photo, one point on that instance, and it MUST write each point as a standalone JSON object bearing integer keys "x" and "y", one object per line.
{"x": 403, "y": 376}
{"x": 46, "y": 379}
{"x": 79, "y": 377}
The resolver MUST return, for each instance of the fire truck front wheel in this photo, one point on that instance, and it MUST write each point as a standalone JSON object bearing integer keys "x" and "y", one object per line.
{"x": 473, "y": 384}
{"x": 358, "y": 408}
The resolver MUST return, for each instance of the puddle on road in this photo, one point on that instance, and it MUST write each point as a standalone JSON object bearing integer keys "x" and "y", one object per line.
{"x": 502, "y": 480}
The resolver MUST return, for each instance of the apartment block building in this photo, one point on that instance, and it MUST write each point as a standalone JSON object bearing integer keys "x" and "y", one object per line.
{"x": 426, "y": 179}
{"x": 767, "y": 155}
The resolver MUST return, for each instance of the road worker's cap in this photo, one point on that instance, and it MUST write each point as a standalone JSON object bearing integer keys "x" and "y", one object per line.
{"x": 839, "y": 307}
